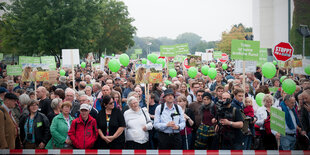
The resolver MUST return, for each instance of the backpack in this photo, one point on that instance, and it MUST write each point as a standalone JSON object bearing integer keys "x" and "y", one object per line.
{"x": 192, "y": 97}
{"x": 175, "y": 106}
{"x": 246, "y": 122}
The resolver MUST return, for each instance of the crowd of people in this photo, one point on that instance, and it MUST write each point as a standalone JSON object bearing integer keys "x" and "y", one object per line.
{"x": 106, "y": 110}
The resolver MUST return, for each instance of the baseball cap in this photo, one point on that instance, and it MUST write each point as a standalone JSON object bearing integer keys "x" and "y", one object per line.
{"x": 84, "y": 106}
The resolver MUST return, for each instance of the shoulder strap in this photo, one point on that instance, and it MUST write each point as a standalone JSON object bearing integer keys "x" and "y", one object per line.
{"x": 234, "y": 113}
{"x": 144, "y": 115}
{"x": 3, "y": 113}
{"x": 192, "y": 97}
{"x": 162, "y": 108}
{"x": 177, "y": 109}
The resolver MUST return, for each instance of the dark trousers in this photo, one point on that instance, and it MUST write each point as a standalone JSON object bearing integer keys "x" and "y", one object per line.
{"x": 136, "y": 146}
{"x": 169, "y": 141}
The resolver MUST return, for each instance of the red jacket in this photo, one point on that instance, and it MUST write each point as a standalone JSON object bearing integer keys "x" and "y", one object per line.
{"x": 83, "y": 136}
{"x": 249, "y": 111}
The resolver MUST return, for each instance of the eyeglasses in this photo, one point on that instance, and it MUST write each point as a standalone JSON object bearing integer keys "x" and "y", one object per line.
{"x": 110, "y": 103}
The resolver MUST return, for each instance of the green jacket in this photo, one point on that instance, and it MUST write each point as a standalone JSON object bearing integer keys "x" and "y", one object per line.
{"x": 59, "y": 130}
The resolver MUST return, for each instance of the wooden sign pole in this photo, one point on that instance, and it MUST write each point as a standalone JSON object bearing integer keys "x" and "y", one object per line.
{"x": 72, "y": 67}
{"x": 244, "y": 82}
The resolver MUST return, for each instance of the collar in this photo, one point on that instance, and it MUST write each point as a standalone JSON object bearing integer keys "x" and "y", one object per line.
{"x": 6, "y": 108}
{"x": 166, "y": 107}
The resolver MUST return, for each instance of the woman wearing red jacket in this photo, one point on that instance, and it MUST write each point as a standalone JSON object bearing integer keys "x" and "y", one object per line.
{"x": 83, "y": 131}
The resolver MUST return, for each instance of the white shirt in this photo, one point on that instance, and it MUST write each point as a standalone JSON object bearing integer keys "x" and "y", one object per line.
{"x": 135, "y": 121}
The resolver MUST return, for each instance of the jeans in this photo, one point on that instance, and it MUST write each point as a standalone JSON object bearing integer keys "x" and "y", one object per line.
{"x": 189, "y": 142}
{"x": 287, "y": 142}
{"x": 247, "y": 142}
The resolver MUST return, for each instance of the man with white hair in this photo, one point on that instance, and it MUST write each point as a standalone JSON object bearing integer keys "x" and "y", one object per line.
{"x": 70, "y": 96}
{"x": 62, "y": 83}
{"x": 84, "y": 99}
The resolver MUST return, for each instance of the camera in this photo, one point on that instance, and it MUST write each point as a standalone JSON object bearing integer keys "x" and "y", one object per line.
{"x": 29, "y": 136}
{"x": 221, "y": 109}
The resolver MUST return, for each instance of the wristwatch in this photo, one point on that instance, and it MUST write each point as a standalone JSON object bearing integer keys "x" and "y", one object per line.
{"x": 231, "y": 123}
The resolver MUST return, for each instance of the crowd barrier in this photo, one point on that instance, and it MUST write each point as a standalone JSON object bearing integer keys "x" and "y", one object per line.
{"x": 160, "y": 152}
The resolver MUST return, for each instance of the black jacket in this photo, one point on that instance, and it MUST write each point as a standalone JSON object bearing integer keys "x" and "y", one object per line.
{"x": 305, "y": 120}
{"x": 41, "y": 128}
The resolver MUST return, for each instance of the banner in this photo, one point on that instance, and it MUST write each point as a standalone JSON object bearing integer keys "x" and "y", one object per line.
{"x": 133, "y": 56}
{"x": 14, "y": 70}
{"x": 174, "y": 50}
{"x": 263, "y": 56}
{"x": 138, "y": 51}
{"x": 217, "y": 54}
{"x": 50, "y": 60}
{"x": 277, "y": 120}
{"x": 245, "y": 50}
{"x": 28, "y": 60}
{"x": 250, "y": 67}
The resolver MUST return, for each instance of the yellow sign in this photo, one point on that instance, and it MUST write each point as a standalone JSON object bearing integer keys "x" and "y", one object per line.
{"x": 42, "y": 76}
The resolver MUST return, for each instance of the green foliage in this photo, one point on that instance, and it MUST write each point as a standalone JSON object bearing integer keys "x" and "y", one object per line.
{"x": 191, "y": 38}
{"x": 45, "y": 27}
{"x": 118, "y": 31}
{"x": 301, "y": 15}
{"x": 237, "y": 32}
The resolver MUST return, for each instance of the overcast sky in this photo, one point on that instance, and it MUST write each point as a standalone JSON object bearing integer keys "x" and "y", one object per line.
{"x": 207, "y": 18}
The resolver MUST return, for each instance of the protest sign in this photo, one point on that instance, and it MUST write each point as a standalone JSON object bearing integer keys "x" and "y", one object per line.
{"x": 90, "y": 57}
{"x": 52, "y": 76}
{"x": 28, "y": 60}
{"x": 194, "y": 61}
{"x": 168, "y": 51}
{"x": 181, "y": 49}
{"x": 263, "y": 56}
{"x": 250, "y": 67}
{"x": 27, "y": 74}
{"x": 42, "y": 76}
{"x": 68, "y": 59}
{"x": 217, "y": 54}
{"x": 143, "y": 73}
{"x": 301, "y": 70}
{"x": 138, "y": 51}
{"x": 39, "y": 67}
{"x": 14, "y": 70}
{"x": 50, "y": 60}
{"x": 245, "y": 50}
{"x": 295, "y": 62}
{"x": 277, "y": 120}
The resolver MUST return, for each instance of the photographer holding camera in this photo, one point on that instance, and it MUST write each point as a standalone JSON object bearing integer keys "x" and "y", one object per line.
{"x": 229, "y": 126}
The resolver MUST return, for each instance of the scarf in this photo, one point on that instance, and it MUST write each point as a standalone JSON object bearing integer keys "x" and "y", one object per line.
{"x": 288, "y": 118}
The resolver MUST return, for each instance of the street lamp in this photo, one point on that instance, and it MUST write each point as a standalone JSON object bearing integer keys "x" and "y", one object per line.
{"x": 304, "y": 31}
{"x": 149, "y": 47}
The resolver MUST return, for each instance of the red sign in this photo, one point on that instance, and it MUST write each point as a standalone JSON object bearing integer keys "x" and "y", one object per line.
{"x": 185, "y": 63}
{"x": 283, "y": 51}
{"x": 224, "y": 58}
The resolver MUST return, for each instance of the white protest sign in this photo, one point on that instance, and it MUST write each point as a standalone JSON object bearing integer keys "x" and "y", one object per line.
{"x": 250, "y": 66}
{"x": 66, "y": 57}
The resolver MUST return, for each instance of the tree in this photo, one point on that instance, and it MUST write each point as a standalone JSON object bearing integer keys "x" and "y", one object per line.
{"x": 301, "y": 15}
{"x": 191, "y": 38}
{"x": 203, "y": 45}
{"x": 237, "y": 32}
{"x": 118, "y": 32}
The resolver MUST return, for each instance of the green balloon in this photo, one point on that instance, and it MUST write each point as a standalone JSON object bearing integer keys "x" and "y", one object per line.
{"x": 144, "y": 61}
{"x": 152, "y": 57}
{"x": 192, "y": 72}
{"x": 289, "y": 86}
{"x": 172, "y": 73}
{"x": 102, "y": 55}
{"x": 269, "y": 70}
{"x": 282, "y": 78}
{"x": 204, "y": 70}
{"x": 212, "y": 65}
{"x": 212, "y": 73}
{"x": 307, "y": 69}
{"x": 113, "y": 55}
{"x": 259, "y": 99}
{"x": 124, "y": 59}
{"x": 62, "y": 72}
{"x": 224, "y": 66}
{"x": 275, "y": 62}
{"x": 114, "y": 65}
{"x": 167, "y": 82}
{"x": 161, "y": 61}
{"x": 83, "y": 64}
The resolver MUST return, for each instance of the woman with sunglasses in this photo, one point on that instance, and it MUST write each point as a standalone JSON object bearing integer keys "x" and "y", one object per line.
{"x": 111, "y": 124}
